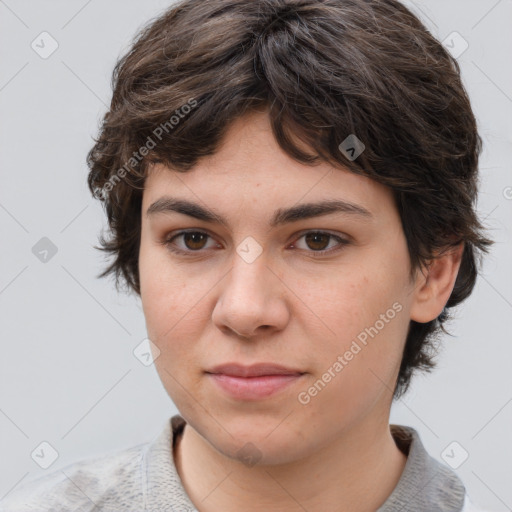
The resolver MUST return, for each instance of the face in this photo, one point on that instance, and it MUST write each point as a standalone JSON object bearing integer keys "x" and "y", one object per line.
{"x": 327, "y": 296}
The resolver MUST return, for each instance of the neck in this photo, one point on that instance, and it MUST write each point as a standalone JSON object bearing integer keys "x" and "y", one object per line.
{"x": 356, "y": 472}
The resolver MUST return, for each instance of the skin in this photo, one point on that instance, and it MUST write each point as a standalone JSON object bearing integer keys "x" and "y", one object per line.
{"x": 208, "y": 307}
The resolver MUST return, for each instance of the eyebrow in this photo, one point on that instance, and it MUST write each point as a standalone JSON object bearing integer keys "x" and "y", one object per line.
{"x": 281, "y": 216}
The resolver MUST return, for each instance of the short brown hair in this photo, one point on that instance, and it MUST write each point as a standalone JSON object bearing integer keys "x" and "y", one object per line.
{"x": 324, "y": 70}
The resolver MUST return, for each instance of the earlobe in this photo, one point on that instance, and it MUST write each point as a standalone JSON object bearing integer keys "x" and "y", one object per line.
{"x": 434, "y": 284}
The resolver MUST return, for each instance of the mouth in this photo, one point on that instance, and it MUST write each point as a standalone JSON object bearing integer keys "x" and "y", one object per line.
{"x": 254, "y": 370}
{"x": 253, "y": 382}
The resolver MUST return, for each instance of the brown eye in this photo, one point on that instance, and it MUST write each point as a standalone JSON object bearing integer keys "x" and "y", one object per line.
{"x": 194, "y": 240}
{"x": 191, "y": 242}
{"x": 318, "y": 241}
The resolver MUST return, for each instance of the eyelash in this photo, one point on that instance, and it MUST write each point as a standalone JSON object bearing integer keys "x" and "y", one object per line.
{"x": 168, "y": 243}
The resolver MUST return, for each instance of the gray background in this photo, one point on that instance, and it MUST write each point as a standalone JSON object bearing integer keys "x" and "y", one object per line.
{"x": 68, "y": 375}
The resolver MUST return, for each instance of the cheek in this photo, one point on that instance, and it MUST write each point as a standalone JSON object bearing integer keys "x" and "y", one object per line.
{"x": 348, "y": 301}
{"x": 363, "y": 312}
{"x": 172, "y": 313}
{"x": 171, "y": 309}
{"x": 166, "y": 296}
{"x": 165, "y": 287}
{"x": 177, "y": 310}
{"x": 356, "y": 362}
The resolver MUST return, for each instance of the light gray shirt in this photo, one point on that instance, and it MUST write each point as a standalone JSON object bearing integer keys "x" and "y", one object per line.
{"x": 144, "y": 478}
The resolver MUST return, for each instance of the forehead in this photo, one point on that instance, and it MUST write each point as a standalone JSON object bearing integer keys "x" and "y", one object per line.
{"x": 250, "y": 172}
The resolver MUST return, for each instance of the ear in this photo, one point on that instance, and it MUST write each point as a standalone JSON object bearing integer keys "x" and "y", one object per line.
{"x": 434, "y": 284}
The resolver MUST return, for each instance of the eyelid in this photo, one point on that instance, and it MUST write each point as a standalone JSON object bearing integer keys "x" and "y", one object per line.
{"x": 342, "y": 239}
{"x": 168, "y": 240}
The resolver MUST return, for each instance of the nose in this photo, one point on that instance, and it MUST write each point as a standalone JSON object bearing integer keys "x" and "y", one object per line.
{"x": 251, "y": 300}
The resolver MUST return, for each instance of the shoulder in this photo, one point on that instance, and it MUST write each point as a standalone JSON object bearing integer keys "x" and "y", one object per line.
{"x": 84, "y": 485}
{"x": 444, "y": 490}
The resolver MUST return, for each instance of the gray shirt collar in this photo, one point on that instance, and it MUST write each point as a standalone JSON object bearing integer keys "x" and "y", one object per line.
{"x": 426, "y": 485}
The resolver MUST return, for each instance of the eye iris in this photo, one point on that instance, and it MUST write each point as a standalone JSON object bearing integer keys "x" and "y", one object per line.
{"x": 193, "y": 237}
{"x": 315, "y": 237}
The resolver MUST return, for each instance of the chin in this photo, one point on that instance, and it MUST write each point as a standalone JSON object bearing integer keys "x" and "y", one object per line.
{"x": 267, "y": 441}
{"x": 252, "y": 451}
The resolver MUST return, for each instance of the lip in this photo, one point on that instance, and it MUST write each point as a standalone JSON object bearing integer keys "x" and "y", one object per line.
{"x": 254, "y": 370}
{"x": 253, "y": 382}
